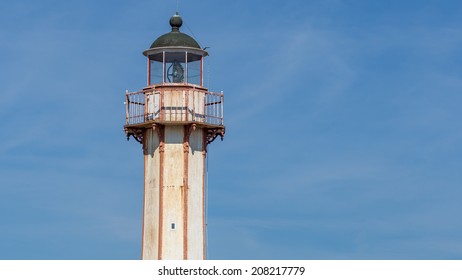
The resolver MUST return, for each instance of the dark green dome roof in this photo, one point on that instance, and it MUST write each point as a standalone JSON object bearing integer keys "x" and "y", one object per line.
{"x": 175, "y": 38}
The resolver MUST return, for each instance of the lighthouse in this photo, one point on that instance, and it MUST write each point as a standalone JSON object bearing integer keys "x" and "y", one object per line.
{"x": 175, "y": 118}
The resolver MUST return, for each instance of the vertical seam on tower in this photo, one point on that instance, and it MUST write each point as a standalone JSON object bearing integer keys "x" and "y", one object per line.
{"x": 161, "y": 133}
{"x": 204, "y": 228}
{"x": 187, "y": 133}
{"x": 144, "y": 195}
{"x": 185, "y": 191}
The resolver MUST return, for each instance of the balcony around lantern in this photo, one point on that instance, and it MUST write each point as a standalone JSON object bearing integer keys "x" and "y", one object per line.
{"x": 173, "y": 105}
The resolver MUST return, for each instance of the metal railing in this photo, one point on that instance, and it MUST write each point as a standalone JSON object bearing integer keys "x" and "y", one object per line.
{"x": 190, "y": 105}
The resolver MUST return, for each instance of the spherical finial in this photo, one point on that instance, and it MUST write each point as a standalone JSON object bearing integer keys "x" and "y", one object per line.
{"x": 176, "y": 22}
{"x": 175, "y": 38}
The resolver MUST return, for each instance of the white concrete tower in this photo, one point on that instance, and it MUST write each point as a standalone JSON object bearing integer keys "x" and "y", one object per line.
{"x": 174, "y": 117}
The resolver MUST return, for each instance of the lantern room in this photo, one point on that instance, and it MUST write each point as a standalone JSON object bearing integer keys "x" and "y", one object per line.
{"x": 175, "y": 58}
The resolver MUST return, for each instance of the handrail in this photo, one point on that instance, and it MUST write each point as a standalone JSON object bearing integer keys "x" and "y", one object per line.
{"x": 164, "y": 105}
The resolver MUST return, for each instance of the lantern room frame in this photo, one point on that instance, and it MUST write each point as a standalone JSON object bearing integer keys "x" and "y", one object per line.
{"x": 160, "y": 61}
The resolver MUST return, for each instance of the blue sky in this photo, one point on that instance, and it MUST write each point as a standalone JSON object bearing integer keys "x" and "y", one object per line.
{"x": 343, "y": 127}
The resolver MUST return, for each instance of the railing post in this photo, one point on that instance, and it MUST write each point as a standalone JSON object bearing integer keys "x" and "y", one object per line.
{"x": 222, "y": 102}
{"x": 194, "y": 106}
{"x": 162, "y": 108}
{"x": 217, "y": 107}
{"x": 127, "y": 100}
{"x": 205, "y": 112}
{"x": 186, "y": 96}
{"x": 144, "y": 108}
{"x": 138, "y": 106}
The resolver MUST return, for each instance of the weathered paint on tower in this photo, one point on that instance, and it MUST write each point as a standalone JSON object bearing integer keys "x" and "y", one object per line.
{"x": 174, "y": 118}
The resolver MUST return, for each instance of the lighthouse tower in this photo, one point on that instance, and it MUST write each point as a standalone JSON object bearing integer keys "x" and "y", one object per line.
{"x": 174, "y": 118}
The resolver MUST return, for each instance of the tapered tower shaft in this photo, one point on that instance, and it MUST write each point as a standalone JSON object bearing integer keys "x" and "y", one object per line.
{"x": 174, "y": 211}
